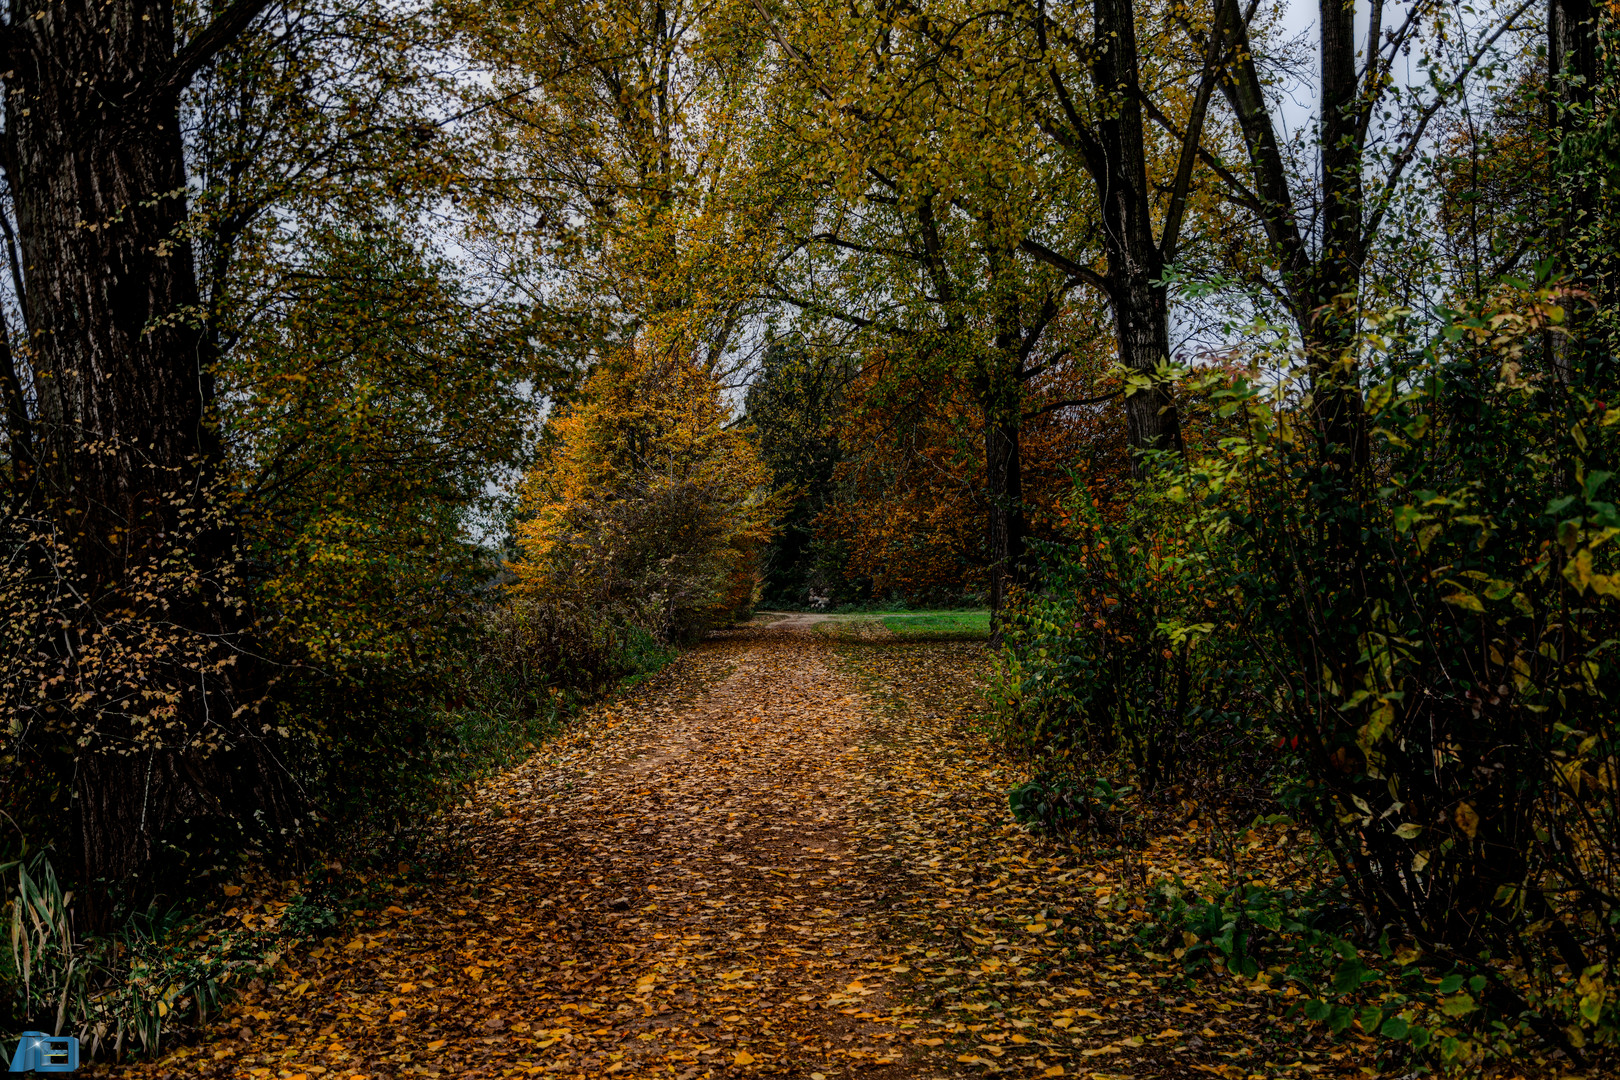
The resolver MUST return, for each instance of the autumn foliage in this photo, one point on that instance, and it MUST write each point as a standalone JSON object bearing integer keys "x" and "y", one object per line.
{"x": 644, "y": 502}
{"x": 911, "y": 497}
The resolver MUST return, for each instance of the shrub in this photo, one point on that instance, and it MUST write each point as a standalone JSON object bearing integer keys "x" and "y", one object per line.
{"x": 1063, "y": 804}
{"x": 1444, "y": 625}
{"x": 1413, "y": 651}
{"x": 118, "y": 993}
{"x": 1124, "y": 661}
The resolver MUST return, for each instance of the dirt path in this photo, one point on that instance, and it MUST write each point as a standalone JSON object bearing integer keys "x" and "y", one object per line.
{"x": 670, "y": 892}
{"x": 785, "y": 857}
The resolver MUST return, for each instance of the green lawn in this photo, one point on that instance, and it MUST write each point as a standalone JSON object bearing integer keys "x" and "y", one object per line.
{"x": 940, "y": 625}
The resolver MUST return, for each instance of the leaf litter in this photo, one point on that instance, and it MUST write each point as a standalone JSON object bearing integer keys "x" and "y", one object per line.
{"x": 783, "y": 856}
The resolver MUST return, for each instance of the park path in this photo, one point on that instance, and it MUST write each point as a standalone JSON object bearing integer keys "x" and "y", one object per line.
{"x": 779, "y": 857}
{"x": 670, "y": 891}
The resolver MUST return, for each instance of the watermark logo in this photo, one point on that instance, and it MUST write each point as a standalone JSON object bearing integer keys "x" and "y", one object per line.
{"x": 39, "y": 1052}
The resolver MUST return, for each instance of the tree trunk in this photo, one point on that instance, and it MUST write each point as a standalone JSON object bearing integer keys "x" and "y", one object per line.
{"x": 1141, "y": 318}
{"x": 1135, "y": 265}
{"x": 1004, "y": 491}
{"x": 1322, "y": 291}
{"x": 127, "y": 461}
{"x": 1330, "y": 308}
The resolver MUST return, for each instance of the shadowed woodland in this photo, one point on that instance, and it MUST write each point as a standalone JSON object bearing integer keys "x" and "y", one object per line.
{"x": 916, "y": 538}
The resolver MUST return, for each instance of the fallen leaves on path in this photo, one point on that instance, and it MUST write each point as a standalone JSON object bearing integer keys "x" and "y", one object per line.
{"x": 1017, "y": 944}
{"x": 783, "y": 857}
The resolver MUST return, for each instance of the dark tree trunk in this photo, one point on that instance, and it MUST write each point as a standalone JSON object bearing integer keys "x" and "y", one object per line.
{"x": 1572, "y": 61}
{"x": 1141, "y": 319}
{"x": 126, "y": 459}
{"x": 1003, "y": 417}
{"x": 1331, "y": 303}
{"x": 1323, "y": 291}
{"x": 1572, "y": 72}
{"x": 1135, "y": 263}
{"x": 1112, "y": 148}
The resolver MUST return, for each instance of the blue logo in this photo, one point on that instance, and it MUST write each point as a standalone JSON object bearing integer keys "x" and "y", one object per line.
{"x": 39, "y": 1052}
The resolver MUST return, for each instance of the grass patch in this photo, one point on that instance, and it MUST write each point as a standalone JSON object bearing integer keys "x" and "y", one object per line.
{"x": 967, "y": 625}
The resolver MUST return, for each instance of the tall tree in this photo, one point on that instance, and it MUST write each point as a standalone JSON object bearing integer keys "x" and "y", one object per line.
{"x": 1371, "y": 131}
{"x": 1103, "y": 129}
{"x": 116, "y": 460}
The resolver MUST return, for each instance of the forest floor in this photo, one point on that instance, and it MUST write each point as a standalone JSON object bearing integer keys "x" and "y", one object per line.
{"x": 783, "y": 856}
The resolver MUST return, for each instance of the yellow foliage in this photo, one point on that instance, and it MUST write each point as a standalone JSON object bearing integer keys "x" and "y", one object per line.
{"x": 645, "y": 498}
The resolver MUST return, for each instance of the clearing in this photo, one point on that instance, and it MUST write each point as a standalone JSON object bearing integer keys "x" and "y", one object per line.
{"x": 783, "y": 856}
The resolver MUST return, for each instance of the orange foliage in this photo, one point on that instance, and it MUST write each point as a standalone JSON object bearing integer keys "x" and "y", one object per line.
{"x": 646, "y": 499}
{"x": 911, "y": 502}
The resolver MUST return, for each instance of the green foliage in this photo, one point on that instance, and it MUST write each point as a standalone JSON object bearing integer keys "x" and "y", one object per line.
{"x": 1063, "y": 804}
{"x": 1119, "y": 661}
{"x": 368, "y": 415}
{"x": 1418, "y": 660}
{"x": 1446, "y": 639}
{"x": 118, "y": 993}
{"x": 1289, "y": 940}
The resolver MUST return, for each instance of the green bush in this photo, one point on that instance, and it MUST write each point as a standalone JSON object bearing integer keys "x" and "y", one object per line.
{"x": 1063, "y": 804}
{"x": 1125, "y": 662}
{"x": 1413, "y": 648}
{"x": 1443, "y": 623}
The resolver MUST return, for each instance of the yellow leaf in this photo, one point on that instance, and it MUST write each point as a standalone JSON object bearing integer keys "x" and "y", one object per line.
{"x": 1606, "y": 584}
{"x": 298, "y": 991}
{"x": 1055, "y": 1070}
{"x": 1467, "y": 819}
{"x": 232, "y": 890}
{"x": 474, "y": 972}
{"x": 396, "y": 1016}
{"x": 1578, "y": 571}
{"x": 1465, "y": 600}
{"x": 929, "y": 1042}
{"x": 436, "y": 1044}
{"x": 743, "y": 1058}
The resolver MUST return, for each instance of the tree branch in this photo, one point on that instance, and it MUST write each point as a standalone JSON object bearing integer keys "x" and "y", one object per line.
{"x": 1051, "y": 258}
{"x": 1076, "y": 401}
{"x": 1190, "y": 140}
{"x": 226, "y": 27}
{"x": 1408, "y": 152}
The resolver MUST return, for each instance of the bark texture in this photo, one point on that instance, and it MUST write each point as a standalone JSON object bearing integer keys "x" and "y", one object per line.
{"x": 1135, "y": 263}
{"x": 119, "y": 432}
